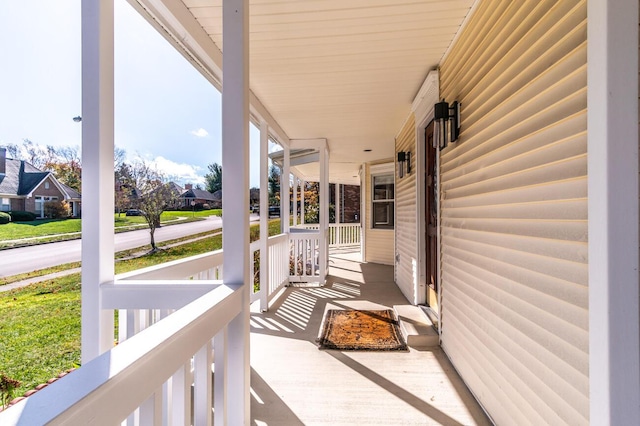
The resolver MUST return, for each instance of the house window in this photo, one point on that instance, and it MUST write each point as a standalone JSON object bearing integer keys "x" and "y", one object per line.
{"x": 382, "y": 201}
{"x": 5, "y": 204}
{"x": 46, "y": 185}
{"x": 40, "y": 200}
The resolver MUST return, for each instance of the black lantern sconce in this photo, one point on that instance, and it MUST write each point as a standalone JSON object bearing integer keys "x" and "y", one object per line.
{"x": 404, "y": 157}
{"x": 447, "y": 123}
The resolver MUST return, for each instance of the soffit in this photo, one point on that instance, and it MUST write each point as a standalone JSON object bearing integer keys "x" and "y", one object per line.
{"x": 342, "y": 70}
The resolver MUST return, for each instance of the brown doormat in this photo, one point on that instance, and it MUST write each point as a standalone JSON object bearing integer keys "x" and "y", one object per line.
{"x": 356, "y": 330}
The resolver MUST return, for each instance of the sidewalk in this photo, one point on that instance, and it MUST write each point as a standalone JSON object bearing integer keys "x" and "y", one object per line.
{"x": 29, "y": 281}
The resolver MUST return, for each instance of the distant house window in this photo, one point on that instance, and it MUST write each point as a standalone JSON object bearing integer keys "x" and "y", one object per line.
{"x": 382, "y": 201}
{"x": 46, "y": 185}
{"x": 40, "y": 200}
{"x": 5, "y": 204}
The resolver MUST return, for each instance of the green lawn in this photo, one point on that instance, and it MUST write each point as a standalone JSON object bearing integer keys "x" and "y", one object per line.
{"x": 37, "y": 228}
{"x": 46, "y": 227}
{"x": 40, "y": 324}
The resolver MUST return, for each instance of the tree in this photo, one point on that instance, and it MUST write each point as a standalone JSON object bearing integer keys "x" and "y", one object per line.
{"x": 124, "y": 189}
{"x": 154, "y": 196}
{"x": 65, "y": 164}
{"x": 274, "y": 185}
{"x": 213, "y": 179}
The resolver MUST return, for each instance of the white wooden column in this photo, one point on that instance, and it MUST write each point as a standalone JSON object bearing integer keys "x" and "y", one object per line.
{"x": 614, "y": 347}
{"x": 302, "y": 210}
{"x": 264, "y": 216}
{"x": 235, "y": 200}
{"x": 324, "y": 210}
{"x": 97, "y": 174}
{"x": 295, "y": 200}
{"x": 285, "y": 180}
{"x": 337, "y": 204}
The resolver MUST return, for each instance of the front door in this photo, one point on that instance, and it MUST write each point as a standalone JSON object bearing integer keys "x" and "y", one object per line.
{"x": 431, "y": 220}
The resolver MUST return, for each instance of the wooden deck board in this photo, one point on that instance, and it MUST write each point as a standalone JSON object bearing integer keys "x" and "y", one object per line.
{"x": 293, "y": 382}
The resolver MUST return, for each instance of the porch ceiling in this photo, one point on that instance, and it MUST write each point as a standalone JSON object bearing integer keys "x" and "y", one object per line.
{"x": 342, "y": 70}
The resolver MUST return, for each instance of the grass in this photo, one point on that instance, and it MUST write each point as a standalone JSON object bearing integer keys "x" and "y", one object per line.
{"x": 40, "y": 331}
{"x": 49, "y": 230}
{"x": 40, "y": 325}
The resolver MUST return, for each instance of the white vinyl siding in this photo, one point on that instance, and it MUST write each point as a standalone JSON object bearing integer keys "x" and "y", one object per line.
{"x": 514, "y": 212}
{"x": 407, "y": 267}
{"x": 378, "y": 242}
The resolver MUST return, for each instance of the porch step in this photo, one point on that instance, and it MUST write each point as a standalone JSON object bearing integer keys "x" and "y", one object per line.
{"x": 416, "y": 326}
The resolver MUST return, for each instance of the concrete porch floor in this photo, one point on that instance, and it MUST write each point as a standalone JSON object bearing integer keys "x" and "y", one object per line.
{"x": 295, "y": 383}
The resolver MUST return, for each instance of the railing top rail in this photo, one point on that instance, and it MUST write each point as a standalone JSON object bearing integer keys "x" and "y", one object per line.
{"x": 176, "y": 269}
{"x": 111, "y": 386}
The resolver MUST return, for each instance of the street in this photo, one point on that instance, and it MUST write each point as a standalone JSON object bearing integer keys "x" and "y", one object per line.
{"x": 26, "y": 259}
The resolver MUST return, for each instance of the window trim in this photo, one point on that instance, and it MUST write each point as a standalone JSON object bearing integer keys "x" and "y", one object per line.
{"x": 378, "y": 171}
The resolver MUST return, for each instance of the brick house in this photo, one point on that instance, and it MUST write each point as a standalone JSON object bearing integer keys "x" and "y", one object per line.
{"x": 27, "y": 188}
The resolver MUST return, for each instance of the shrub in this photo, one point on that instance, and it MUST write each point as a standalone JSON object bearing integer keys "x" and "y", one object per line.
{"x": 57, "y": 209}
{"x": 22, "y": 216}
{"x": 206, "y": 206}
{"x": 4, "y": 218}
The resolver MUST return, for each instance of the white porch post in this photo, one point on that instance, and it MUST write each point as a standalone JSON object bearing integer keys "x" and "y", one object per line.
{"x": 614, "y": 346}
{"x": 264, "y": 216}
{"x": 337, "y": 204}
{"x": 295, "y": 200}
{"x": 302, "y": 187}
{"x": 97, "y": 174}
{"x": 285, "y": 180}
{"x": 324, "y": 210}
{"x": 363, "y": 210}
{"x": 235, "y": 193}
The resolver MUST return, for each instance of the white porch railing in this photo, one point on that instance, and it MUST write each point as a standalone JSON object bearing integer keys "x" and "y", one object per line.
{"x": 153, "y": 376}
{"x": 340, "y": 234}
{"x": 148, "y": 378}
{"x": 278, "y": 268}
{"x": 305, "y": 256}
{"x": 171, "y": 316}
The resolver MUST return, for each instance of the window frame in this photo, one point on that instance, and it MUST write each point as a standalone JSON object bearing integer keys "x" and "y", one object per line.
{"x": 386, "y": 170}
{"x": 2, "y": 204}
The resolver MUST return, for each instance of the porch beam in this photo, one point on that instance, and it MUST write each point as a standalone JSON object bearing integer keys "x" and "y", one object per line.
{"x": 614, "y": 342}
{"x": 235, "y": 193}
{"x": 173, "y": 20}
{"x": 97, "y": 174}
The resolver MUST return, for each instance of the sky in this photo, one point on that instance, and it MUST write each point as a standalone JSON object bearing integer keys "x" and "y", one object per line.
{"x": 165, "y": 111}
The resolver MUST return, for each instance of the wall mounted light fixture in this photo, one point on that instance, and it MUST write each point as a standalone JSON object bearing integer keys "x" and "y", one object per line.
{"x": 404, "y": 157}
{"x": 447, "y": 123}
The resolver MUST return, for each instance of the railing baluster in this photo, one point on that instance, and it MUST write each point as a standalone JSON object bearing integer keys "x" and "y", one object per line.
{"x": 221, "y": 376}
{"x": 151, "y": 410}
{"x": 202, "y": 386}
{"x": 180, "y": 396}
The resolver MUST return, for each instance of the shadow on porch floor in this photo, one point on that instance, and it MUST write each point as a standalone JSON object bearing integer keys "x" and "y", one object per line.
{"x": 294, "y": 383}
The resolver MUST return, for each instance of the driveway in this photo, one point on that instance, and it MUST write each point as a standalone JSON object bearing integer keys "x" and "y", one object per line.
{"x": 26, "y": 259}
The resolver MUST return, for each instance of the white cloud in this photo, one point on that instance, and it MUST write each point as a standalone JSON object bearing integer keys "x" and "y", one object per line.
{"x": 179, "y": 173}
{"x": 200, "y": 133}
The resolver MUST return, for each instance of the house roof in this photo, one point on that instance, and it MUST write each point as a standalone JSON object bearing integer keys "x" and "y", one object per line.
{"x": 71, "y": 193}
{"x": 20, "y": 177}
{"x": 199, "y": 194}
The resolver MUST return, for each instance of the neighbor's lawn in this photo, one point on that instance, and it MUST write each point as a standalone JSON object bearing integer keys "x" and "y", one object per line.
{"x": 40, "y": 323}
{"x": 37, "y": 228}
{"x": 45, "y": 227}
